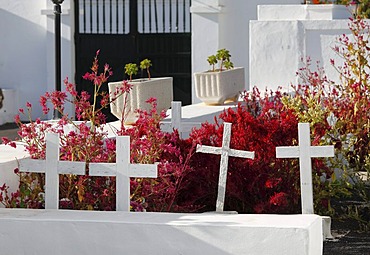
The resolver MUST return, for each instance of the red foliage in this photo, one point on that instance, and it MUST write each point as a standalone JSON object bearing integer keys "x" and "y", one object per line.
{"x": 260, "y": 124}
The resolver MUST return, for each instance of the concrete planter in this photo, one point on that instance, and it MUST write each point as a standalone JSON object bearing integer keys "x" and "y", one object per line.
{"x": 218, "y": 87}
{"x": 143, "y": 89}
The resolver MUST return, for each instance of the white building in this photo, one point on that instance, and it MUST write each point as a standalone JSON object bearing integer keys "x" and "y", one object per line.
{"x": 270, "y": 46}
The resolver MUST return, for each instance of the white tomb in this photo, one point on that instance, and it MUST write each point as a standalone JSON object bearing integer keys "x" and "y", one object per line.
{"x": 303, "y": 12}
{"x": 283, "y": 35}
{"x": 61, "y": 232}
{"x": 8, "y": 162}
{"x": 184, "y": 128}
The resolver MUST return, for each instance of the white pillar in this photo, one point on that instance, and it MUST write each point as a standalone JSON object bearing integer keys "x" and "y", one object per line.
{"x": 205, "y": 31}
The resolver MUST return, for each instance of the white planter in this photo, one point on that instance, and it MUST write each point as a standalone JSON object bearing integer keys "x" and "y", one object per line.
{"x": 142, "y": 90}
{"x": 218, "y": 87}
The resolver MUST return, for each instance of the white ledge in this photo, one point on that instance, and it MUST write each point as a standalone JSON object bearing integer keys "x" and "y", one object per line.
{"x": 206, "y": 9}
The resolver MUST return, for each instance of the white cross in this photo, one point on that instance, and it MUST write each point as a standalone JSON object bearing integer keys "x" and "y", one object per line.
{"x": 225, "y": 153}
{"x": 123, "y": 170}
{"x": 52, "y": 167}
{"x": 176, "y": 122}
{"x": 305, "y": 152}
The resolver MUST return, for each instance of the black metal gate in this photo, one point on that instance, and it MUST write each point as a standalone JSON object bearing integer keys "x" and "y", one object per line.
{"x": 128, "y": 31}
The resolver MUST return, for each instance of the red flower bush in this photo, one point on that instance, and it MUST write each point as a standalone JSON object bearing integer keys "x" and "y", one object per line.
{"x": 188, "y": 181}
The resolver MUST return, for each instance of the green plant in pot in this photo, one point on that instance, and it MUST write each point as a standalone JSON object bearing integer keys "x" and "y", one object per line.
{"x": 223, "y": 57}
{"x": 217, "y": 86}
{"x": 131, "y": 69}
{"x": 143, "y": 88}
{"x": 146, "y": 64}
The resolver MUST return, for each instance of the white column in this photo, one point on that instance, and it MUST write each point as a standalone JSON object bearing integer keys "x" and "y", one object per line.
{"x": 205, "y": 28}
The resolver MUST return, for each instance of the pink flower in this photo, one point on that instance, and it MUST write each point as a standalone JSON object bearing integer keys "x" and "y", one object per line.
{"x": 9, "y": 142}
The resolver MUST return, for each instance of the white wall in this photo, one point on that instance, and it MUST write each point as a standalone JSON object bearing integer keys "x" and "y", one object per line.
{"x": 223, "y": 24}
{"x": 23, "y": 49}
{"x": 279, "y": 42}
{"x": 27, "y": 49}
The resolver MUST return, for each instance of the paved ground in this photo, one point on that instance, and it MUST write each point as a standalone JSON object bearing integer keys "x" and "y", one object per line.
{"x": 348, "y": 241}
{"x": 8, "y": 130}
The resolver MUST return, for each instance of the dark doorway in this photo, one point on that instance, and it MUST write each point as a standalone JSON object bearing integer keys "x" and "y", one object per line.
{"x": 128, "y": 31}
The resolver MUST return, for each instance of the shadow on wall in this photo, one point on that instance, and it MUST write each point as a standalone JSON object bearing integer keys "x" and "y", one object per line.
{"x": 1, "y": 98}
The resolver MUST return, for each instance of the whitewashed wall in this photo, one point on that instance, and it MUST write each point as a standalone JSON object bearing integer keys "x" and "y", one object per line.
{"x": 220, "y": 24}
{"x": 281, "y": 37}
{"x": 27, "y": 48}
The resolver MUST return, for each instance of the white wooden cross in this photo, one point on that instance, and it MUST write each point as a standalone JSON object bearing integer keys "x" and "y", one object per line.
{"x": 305, "y": 152}
{"x": 123, "y": 170}
{"x": 225, "y": 153}
{"x": 52, "y": 167}
{"x": 176, "y": 123}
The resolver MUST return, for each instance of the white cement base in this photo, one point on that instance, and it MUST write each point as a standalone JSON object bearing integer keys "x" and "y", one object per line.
{"x": 45, "y": 232}
{"x": 202, "y": 112}
{"x": 8, "y": 162}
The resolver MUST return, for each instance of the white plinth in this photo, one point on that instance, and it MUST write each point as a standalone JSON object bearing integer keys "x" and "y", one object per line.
{"x": 303, "y": 12}
{"x": 8, "y": 162}
{"x": 84, "y": 232}
{"x": 202, "y": 112}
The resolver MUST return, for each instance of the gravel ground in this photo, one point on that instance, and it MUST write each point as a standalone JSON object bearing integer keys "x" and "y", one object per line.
{"x": 348, "y": 240}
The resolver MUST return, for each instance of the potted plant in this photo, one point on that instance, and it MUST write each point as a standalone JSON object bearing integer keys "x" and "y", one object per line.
{"x": 131, "y": 69}
{"x": 124, "y": 108}
{"x": 216, "y": 86}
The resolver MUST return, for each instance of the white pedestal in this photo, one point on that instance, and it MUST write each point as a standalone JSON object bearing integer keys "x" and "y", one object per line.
{"x": 284, "y": 35}
{"x": 303, "y": 12}
{"x": 45, "y": 232}
{"x": 8, "y": 162}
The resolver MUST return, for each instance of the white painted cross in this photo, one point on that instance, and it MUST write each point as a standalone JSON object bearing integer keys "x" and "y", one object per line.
{"x": 225, "y": 153}
{"x": 123, "y": 170}
{"x": 52, "y": 167}
{"x": 176, "y": 121}
{"x": 305, "y": 152}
